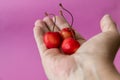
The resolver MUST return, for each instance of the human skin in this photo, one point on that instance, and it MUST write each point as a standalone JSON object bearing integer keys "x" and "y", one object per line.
{"x": 92, "y": 61}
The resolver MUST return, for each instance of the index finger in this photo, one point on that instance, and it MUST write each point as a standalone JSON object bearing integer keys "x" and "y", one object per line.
{"x": 39, "y": 30}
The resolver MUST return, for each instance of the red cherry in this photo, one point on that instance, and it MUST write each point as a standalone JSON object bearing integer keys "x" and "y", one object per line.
{"x": 67, "y": 33}
{"x": 70, "y": 45}
{"x": 52, "y": 39}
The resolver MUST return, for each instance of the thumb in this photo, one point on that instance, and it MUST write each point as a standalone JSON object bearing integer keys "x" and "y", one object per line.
{"x": 105, "y": 43}
{"x": 107, "y": 24}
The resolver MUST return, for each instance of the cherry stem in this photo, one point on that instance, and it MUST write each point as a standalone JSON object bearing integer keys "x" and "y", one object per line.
{"x": 67, "y": 12}
{"x": 61, "y": 13}
{"x": 46, "y": 14}
{"x": 54, "y": 20}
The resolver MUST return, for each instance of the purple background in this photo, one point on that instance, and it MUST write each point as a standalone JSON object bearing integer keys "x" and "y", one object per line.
{"x": 19, "y": 57}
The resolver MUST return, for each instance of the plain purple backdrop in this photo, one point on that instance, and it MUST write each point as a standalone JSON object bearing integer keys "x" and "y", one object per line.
{"x": 19, "y": 57}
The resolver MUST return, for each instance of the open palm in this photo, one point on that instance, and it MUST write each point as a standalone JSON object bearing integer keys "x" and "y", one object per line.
{"x": 87, "y": 61}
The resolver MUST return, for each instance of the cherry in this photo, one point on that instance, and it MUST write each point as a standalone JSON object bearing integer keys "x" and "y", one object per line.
{"x": 70, "y": 45}
{"x": 52, "y": 40}
{"x": 67, "y": 32}
{"x": 65, "y": 38}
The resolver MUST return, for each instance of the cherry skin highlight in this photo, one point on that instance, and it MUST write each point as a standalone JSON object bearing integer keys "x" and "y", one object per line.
{"x": 52, "y": 39}
{"x": 70, "y": 45}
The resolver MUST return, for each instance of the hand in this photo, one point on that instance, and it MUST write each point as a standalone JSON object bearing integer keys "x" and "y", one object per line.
{"x": 92, "y": 61}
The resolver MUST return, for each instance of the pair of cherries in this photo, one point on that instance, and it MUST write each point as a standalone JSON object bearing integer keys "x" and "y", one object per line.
{"x": 64, "y": 39}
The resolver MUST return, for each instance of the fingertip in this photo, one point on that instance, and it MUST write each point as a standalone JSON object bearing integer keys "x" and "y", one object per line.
{"x": 107, "y": 23}
{"x": 106, "y": 18}
{"x": 39, "y": 23}
{"x": 49, "y": 22}
{"x": 45, "y": 18}
{"x": 106, "y": 15}
{"x": 61, "y": 22}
